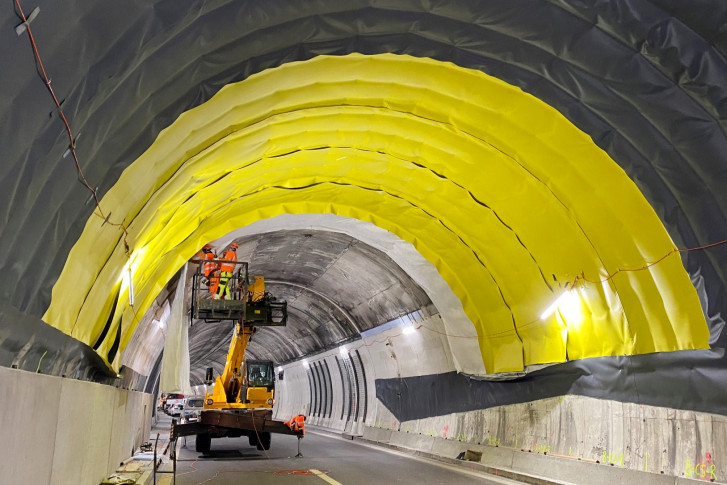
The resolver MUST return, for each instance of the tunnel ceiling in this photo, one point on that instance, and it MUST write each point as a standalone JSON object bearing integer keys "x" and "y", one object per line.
{"x": 644, "y": 80}
{"x": 336, "y": 287}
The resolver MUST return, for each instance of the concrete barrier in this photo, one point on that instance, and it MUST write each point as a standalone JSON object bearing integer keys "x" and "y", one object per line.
{"x": 60, "y": 430}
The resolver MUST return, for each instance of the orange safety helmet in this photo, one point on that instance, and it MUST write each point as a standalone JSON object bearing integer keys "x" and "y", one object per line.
{"x": 207, "y": 247}
{"x": 234, "y": 246}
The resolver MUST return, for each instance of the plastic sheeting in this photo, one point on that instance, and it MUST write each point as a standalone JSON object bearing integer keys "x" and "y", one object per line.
{"x": 640, "y": 379}
{"x": 506, "y": 198}
{"x": 174, "y": 375}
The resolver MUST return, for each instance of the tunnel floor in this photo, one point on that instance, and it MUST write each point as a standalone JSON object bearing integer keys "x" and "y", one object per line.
{"x": 326, "y": 459}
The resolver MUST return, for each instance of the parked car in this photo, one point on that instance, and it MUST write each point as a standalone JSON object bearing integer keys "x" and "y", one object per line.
{"x": 176, "y": 409}
{"x": 172, "y": 400}
{"x": 192, "y": 409}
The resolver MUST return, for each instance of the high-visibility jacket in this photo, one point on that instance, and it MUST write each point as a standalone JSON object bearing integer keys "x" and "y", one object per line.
{"x": 230, "y": 255}
{"x": 209, "y": 266}
{"x": 296, "y": 424}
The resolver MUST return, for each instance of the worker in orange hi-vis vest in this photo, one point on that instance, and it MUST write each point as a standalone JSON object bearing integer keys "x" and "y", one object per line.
{"x": 226, "y": 270}
{"x": 211, "y": 269}
{"x": 296, "y": 424}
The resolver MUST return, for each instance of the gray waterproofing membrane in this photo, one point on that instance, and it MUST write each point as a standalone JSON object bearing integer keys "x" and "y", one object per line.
{"x": 646, "y": 80}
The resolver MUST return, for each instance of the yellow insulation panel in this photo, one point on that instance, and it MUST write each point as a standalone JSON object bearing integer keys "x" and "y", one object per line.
{"x": 497, "y": 190}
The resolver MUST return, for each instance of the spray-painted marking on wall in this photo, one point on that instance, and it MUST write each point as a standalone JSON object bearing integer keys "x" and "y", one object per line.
{"x": 494, "y": 441}
{"x": 613, "y": 458}
{"x": 542, "y": 448}
{"x": 444, "y": 432}
{"x": 704, "y": 469}
{"x": 461, "y": 437}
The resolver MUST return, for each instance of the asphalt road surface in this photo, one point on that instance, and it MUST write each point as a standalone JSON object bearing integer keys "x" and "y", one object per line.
{"x": 326, "y": 459}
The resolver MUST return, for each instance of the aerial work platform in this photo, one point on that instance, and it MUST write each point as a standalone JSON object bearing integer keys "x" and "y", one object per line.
{"x": 259, "y": 310}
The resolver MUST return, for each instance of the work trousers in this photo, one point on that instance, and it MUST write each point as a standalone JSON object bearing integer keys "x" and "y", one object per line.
{"x": 224, "y": 289}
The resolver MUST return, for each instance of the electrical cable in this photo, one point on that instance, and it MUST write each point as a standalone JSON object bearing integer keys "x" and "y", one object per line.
{"x": 581, "y": 277}
{"x": 258, "y": 436}
{"x": 40, "y": 68}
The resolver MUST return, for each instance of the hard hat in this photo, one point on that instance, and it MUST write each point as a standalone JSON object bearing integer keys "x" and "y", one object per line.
{"x": 207, "y": 246}
{"x": 234, "y": 246}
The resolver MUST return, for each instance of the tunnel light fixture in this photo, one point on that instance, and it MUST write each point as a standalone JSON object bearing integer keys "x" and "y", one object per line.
{"x": 131, "y": 288}
{"x": 305, "y": 363}
{"x": 343, "y": 351}
{"x": 554, "y": 306}
{"x": 408, "y": 329}
{"x": 568, "y": 305}
{"x": 280, "y": 369}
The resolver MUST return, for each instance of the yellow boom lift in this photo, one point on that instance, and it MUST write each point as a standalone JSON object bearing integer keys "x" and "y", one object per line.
{"x": 243, "y": 395}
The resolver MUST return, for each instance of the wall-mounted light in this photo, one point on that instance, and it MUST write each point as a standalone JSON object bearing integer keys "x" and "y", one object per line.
{"x": 305, "y": 363}
{"x": 343, "y": 351}
{"x": 127, "y": 273}
{"x": 131, "y": 289}
{"x": 409, "y": 328}
{"x": 553, "y": 306}
{"x": 568, "y": 305}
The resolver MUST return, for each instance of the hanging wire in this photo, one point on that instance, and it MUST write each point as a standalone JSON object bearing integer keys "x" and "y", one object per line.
{"x": 40, "y": 68}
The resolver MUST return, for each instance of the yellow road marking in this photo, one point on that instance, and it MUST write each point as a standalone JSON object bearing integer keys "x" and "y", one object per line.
{"x": 324, "y": 477}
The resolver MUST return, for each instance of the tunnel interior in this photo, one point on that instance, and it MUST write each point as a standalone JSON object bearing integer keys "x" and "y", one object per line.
{"x": 537, "y": 188}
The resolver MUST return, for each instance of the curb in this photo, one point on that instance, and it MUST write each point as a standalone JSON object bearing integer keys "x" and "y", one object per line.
{"x": 472, "y": 465}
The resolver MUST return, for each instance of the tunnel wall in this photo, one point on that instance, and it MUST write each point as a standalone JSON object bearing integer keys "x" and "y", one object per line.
{"x": 337, "y": 389}
{"x": 623, "y": 435}
{"x": 58, "y": 430}
{"x": 573, "y": 432}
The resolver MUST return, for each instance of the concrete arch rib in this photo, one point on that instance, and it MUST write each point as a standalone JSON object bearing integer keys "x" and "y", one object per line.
{"x": 463, "y": 343}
